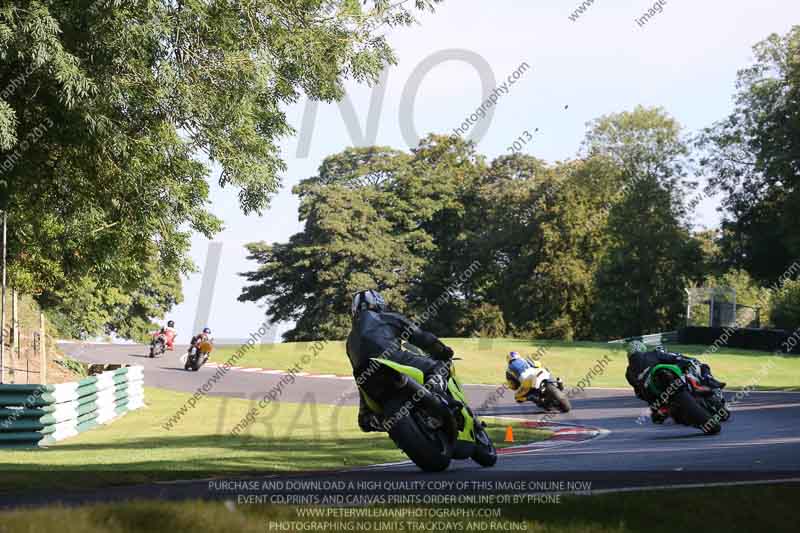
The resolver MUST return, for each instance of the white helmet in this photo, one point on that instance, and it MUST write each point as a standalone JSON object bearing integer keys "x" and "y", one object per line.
{"x": 367, "y": 299}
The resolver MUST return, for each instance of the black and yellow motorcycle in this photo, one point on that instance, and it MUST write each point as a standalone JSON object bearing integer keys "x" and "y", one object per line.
{"x": 431, "y": 429}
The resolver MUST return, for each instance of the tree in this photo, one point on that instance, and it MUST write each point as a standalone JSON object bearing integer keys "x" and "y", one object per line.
{"x": 748, "y": 293}
{"x": 785, "y": 312}
{"x": 439, "y": 192}
{"x": 90, "y": 307}
{"x": 112, "y": 112}
{"x": 651, "y": 256}
{"x": 351, "y": 240}
{"x": 754, "y": 158}
{"x": 373, "y": 218}
{"x": 539, "y": 236}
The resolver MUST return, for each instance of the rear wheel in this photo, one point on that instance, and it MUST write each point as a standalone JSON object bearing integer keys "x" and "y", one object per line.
{"x": 557, "y": 398}
{"x": 157, "y": 348}
{"x": 691, "y": 413}
{"x": 431, "y": 450}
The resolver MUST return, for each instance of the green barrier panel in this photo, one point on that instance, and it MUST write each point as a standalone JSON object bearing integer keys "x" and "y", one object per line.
{"x": 25, "y": 389}
{"x": 26, "y": 413}
{"x": 27, "y": 424}
{"x": 29, "y": 436}
{"x": 86, "y": 426}
{"x": 33, "y": 445}
{"x": 15, "y": 400}
{"x": 87, "y": 381}
{"x": 87, "y": 417}
{"x": 120, "y": 395}
{"x": 23, "y": 424}
{"x": 84, "y": 390}
{"x": 86, "y": 399}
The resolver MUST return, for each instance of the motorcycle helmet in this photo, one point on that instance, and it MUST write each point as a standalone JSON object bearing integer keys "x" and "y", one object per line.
{"x": 512, "y": 356}
{"x": 207, "y": 331}
{"x": 368, "y": 299}
{"x": 636, "y": 347}
{"x": 170, "y": 323}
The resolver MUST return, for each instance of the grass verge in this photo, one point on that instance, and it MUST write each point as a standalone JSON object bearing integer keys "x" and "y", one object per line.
{"x": 483, "y": 361}
{"x": 709, "y": 510}
{"x": 137, "y": 449}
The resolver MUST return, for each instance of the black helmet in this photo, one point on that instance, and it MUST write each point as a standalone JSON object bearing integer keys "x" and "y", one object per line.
{"x": 368, "y": 299}
{"x": 170, "y": 323}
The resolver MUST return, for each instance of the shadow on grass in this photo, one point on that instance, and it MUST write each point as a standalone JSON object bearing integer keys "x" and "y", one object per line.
{"x": 760, "y": 508}
{"x": 238, "y": 456}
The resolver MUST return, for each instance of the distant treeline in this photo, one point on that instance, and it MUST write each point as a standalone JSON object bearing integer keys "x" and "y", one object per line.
{"x": 595, "y": 247}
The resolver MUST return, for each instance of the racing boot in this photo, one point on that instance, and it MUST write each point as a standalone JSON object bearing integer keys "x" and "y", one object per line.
{"x": 711, "y": 381}
{"x": 367, "y": 420}
{"x": 436, "y": 382}
{"x": 658, "y": 415}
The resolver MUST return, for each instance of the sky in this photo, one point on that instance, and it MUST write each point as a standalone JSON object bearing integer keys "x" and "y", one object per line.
{"x": 684, "y": 59}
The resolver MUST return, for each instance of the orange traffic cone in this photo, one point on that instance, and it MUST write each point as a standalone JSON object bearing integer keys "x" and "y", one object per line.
{"x": 509, "y": 434}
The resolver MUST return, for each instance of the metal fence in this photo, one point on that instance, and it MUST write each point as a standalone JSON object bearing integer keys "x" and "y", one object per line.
{"x": 23, "y": 357}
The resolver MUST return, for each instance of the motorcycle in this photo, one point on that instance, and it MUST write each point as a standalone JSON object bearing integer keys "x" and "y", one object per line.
{"x": 158, "y": 345}
{"x": 198, "y": 355}
{"x": 689, "y": 399}
{"x": 548, "y": 393}
{"x": 430, "y": 428}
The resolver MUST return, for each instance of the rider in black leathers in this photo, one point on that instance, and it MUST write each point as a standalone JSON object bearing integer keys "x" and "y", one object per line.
{"x": 640, "y": 359}
{"x": 378, "y": 333}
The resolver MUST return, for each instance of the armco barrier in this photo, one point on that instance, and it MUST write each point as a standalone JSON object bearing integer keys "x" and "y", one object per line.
{"x": 37, "y": 415}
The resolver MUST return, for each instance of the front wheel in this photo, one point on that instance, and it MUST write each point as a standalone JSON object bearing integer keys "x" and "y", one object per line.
{"x": 199, "y": 361}
{"x": 485, "y": 453}
{"x": 557, "y": 398}
{"x": 431, "y": 450}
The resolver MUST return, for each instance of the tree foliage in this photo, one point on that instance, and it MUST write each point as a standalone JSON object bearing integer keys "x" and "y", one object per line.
{"x": 652, "y": 255}
{"x": 111, "y": 114}
{"x": 785, "y": 313}
{"x": 542, "y": 243}
{"x": 753, "y": 156}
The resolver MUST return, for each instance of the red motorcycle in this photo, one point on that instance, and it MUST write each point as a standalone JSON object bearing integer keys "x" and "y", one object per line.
{"x": 161, "y": 339}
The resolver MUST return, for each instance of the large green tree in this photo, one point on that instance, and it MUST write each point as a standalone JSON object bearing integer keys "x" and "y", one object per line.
{"x": 112, "y": 112}
{"x": 753, "y": 157}
{"x": 539, "y": 234}
{"x": 373, "y": 217}
{"x": 353, "y": 238}
{"x": 651, "y": 256}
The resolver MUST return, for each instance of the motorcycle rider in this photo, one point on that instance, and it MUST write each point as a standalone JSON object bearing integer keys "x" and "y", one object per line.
{"x": 521, "y": 375}
{"x": 375, "y": 332}
{"x": 204, "y": 335}
{"x": 170, "y": 333}
{"x": 641, "y": 359}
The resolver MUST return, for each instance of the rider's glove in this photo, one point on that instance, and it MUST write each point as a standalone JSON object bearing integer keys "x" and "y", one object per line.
{"x": 444, "y": 353}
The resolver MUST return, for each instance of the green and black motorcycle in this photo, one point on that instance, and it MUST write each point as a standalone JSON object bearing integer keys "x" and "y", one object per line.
{"x": 690, "y": 401}
{"x": 430, "y": 430}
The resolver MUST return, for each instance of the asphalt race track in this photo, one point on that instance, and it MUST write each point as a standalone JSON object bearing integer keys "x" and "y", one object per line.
{"x": 760, "y": 443}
